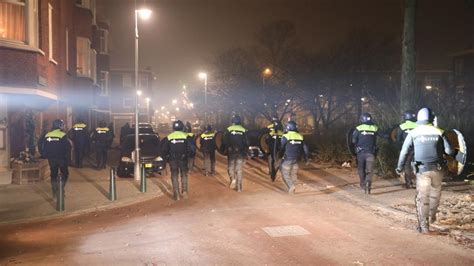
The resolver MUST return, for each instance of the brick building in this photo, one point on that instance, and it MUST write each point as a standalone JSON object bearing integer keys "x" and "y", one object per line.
{"x": 122, "y": 83}
{"x": 48, "y": 56}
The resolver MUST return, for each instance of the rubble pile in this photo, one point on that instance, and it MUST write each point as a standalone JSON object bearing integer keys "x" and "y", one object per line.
{"x": 457, "y": 212}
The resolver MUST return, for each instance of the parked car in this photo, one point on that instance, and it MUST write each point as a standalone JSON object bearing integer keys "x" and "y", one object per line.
{"x": 143, "y": 128}
{"x": 149, "y": 154}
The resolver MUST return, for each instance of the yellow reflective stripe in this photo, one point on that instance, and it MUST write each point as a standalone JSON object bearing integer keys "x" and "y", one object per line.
{"x": 408, "y": 125}
{"x": 55, "y": 134}
{"x": 365, "y": 127}
{"x": 208, "y": 135}
{"x": 236, "y": 128}
{"x": 292, "y": 135}
{"x": 177, "y": 135}
{"x": 102, "y": 129}
{"x": 80, "y": 125}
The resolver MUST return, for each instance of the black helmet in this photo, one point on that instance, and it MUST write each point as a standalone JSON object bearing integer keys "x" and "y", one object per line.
{"x": 409, "y": 115}
{"x": 178, "y": 125}
{"x": 102, "y": 123}
{"x": 208, "y": 128}
{"x": 236, "y": 120}
{"x": 366, "y": 118}
{"x": 291, "y": 126}
{"x": 425, "y": 114}
{"x": 58, "y": 124}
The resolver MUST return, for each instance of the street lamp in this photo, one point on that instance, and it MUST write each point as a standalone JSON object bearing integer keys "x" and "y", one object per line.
{"x": 267, "y": 72}
{"x": 143, "y": 14}
{"x": 203, "y": 76}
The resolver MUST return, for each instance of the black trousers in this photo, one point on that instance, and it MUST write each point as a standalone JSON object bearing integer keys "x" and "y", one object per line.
{"x": 79, "y": 153}
{"x": 209, "y": 162}
{"x": 101, "y": 154}
{"x": 365, "y": 165}
{"x": 179, "y": 167}
{"x": 56, "y": 165}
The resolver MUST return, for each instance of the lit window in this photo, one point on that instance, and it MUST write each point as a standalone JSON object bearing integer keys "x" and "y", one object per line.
{"x": 83, "y": 66}
{"x": 12, "y": 20}
{"x": 50, "y": 33}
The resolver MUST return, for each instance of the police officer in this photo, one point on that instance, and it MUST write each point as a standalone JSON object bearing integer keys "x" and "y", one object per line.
{"x": 275, "y": 131}
{"x": 79, "y": 134}
{"x": 236, "y": 143}
{"x": 57, "y": 149}
{"x": 188, "y": 131}
{"x": 404, "y": 128}
{"x": 292, "y": 147}
{"x": 208, "y": 148}
{"x": 428, "y": 145}
{"x": 364, "y": 138}
{"x": 102, "y": 137}
{"x": 177, "y": 149}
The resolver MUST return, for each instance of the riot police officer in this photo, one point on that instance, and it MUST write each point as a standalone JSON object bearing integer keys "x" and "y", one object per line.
{"x": 79, "y": 134}
{"x": 404, "y": 128}
{"x": 428, "y": 145}
{"x": 101, "y": 137}
{"x": 275, "y": 131}
{"x": 188, "y": 131}
{"x": 292, "y": 147}
{"x": 236, "y": 144}
{"x": 55, "y": 146}
{"x": 364, "y": 138}
{"x": 177, "y": 149}
{"x": 208, "y": 148}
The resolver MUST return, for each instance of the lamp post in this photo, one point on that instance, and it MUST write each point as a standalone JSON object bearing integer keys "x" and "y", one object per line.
{"x": 144, "y": 14}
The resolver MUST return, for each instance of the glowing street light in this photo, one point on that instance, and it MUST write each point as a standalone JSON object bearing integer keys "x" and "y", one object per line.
{"x": 139, "y": 93}
{"x": 163, "y": 107}
{"x": 174, "y": 102}
{"x": 267, "y": 72}
{"x": 428, "y": 87}
{"x": 177, "y": 109}
{"x": 144, "y": 13}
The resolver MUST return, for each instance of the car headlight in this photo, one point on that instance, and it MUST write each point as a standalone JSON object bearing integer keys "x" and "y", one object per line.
{"x": 158, "y": 159}
{"x": 126, "y": 159}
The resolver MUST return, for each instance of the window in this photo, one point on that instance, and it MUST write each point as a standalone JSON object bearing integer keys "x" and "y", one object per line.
{"x": 127, "y": 102}
{"x": 83, "y": 65}
{"x": 19, "y": 24}
{"x": 84, "y": 3}
{"x": 127, "y": 81}
{"x": 67, "y": 50}
{"x": 143, "y": 82}
{"x": 104, "y": 82}
{"x": 12, "y": 20}
{"x": 103, "y": 41}
{"x": 50, "y": 34}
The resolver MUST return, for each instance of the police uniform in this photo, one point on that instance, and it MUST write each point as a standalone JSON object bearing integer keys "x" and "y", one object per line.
{"x": 274, "y": 144}
{"x": 428, "y": 145}
{"x": 101, "y": 136}
{"x": 364, "y": 138}
{"x": 177, "y": 149}
{"x": 57, "y": 148}
{"x": 191, "y": 158}
{"x": 292, "y": 147}
{"x": 236, "y": 143}
{"x": 79, "y": 135}
{"x": 208, "y": 148}
{"x": 402, "y": 133}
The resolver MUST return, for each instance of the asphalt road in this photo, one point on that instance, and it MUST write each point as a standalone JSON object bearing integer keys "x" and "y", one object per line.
{"x": 261, "y": 225}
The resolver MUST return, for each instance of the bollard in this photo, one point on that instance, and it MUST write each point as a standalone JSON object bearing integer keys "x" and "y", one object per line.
{"x": 60, "y": 195}
{"x": 112, "y": 185}
{"x": 143, "y": 179}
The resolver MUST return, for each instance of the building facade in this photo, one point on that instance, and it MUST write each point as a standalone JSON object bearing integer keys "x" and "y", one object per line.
{"x": 48, "y": 59}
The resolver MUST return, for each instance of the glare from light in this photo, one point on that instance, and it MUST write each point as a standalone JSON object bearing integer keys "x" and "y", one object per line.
{"x": 148, "y": 99}
{"x": 184, "y": 87}
{"x": 362, "y": 99}
{"x": 174, "y": 101}
{"x": 177, "y": 109}
{"x": 191, "y": 105}
{"x": 267, "y": 72}
{"x": 428, "y": 87}
{"x": 288, "y": 100}
{"x": 139, "y": 93}
{"x": 144, "y": 13}
{"x": 167, "y": 112}
{"x": 202, "y": 75}
{"x": 162, "y": 107}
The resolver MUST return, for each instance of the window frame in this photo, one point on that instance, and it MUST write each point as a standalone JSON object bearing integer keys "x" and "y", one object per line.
{"x": 51, "y": 34}
{"x": 87, "y": 55}
{"x": 31, "y": 42}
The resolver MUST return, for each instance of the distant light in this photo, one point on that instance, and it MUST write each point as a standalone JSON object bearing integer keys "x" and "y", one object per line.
{"x": 139, "y": 93}
{"x": 162, "y": 107}
{"x": 288, "y": 100}
{"x": 144, "y": 13}
{"x": 156, "y": 111}
{"x": 350, "y": 84}
{"x": 321, "y": 96}
{"x": 177, "y": 109}
{"x": 174, "y": 101}
{"x": 192, "y": 105}
{"x": 184, "y": 87}
{"x": 265, "y": 104}
{"x": 267, "y": 72}
{"x": 148, "y": 99}
{"x": 167, "y": 112}
{"x": 202, "y": 75}
{"x": 428, "y": 87}
{"x": 362, "y": 99}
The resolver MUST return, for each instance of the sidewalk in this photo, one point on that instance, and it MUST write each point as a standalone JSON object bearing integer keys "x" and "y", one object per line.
{"x": 86, "y": 190}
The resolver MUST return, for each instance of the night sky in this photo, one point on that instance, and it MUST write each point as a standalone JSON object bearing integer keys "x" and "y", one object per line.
{"x": 182, "y": 34}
